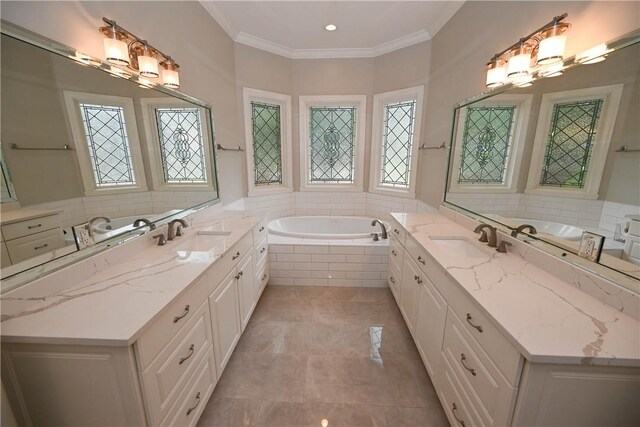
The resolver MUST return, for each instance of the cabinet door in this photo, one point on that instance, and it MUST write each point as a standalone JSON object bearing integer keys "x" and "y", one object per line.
{"x": 411, "y": 280}
{"x": 429, "y": 333}
{"x": 246, "y": 289}
{"x": 225, "y": 320}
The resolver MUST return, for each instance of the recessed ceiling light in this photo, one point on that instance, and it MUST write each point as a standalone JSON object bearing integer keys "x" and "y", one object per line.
{"x": 330, "y": 27}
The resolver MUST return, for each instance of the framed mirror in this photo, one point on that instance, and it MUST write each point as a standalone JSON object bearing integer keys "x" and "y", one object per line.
{"x": 561, "y": 155}
{"x": 91, "y": 154}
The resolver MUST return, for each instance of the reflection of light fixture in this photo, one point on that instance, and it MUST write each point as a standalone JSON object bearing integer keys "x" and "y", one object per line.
{"x": 552, "y": 70}
{"x": 545, "y": 45}
{"x": 593, "y": 55}
{"x": 124, "y": 48}
{"x": 119, "y": 72}
{"x": 84, "y": 59}
{"x": 330, "y": 27}
{"x": 144, "y": 83}
{"x": 523, "y": 81}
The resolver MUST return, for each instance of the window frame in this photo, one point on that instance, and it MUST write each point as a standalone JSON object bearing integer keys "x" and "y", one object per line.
{"x": 250, "y": 95}
{"x": 380, "y": 101}
{"x": 72, "y": 102}
{"x": 148, "y": 106}
{"x": 304, "y": 105}
{"x": 513, "y": 162}
{"x": 612, "y": 95}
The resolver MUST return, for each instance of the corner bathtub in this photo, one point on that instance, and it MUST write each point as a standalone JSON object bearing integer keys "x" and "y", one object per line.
{"x": 327, "y": 251}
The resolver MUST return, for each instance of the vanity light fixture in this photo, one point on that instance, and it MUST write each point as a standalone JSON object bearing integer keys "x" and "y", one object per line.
{"x": 553, "y": 70}
{"x": 594, "y": 55}
{"x": 542, "y": 47}
{"x": 126, "y": 49}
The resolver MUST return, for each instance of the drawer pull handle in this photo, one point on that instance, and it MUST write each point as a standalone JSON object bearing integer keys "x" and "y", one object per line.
{"x": 417, "y": 279}
{"x": 264, "y": 276}
{"x": 462, "y": 359}
{"x": 262, "y": 250}
{"x": 29, "y": 227}
{"x": 193, "y": 408}
{"x": 453, "y": 411}
{"x": 393, "y": 252}
{"x": 186, "y": 311}
{"x": 478, "y": 327}
{"x": 395, "y": 230}
{"x": 191, "y": 349}
{"x": 239, "y": 275}
{"x": 261, "y": 230}
{"x": 391, "y": 279}
{"x": 40, "y": 247}
{"x": 236, "y": 256}
{"x": 421, "y": 260}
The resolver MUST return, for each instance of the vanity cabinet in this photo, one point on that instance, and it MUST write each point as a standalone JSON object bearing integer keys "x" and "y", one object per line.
{"x": 430, "y": 322}
{"x": 29, "y": 235}
{"x": 411, "y": 282}
{"x": 225, "y": 315}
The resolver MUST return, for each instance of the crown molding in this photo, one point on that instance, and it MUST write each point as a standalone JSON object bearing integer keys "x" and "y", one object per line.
{"x": 217, "y": 14}
{"x": 402, "y": 42}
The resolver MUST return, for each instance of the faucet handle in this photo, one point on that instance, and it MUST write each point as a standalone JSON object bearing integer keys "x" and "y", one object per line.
{"x": 483, "y": 237}
{"x": 179, "y": 231}
{"x": 375, "y": 236}
{"x": 502, "y": 246}
{"x": 161, "y": 239}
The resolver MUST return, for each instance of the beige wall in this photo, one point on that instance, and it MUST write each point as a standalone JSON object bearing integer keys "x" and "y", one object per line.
{"x": 475, "y": 33}
{"x": 182, "y": 29}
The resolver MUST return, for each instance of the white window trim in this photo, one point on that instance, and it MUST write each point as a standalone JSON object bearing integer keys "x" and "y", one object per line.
{"x": 72, "y": 102}
{"x": 306, "y": 102}
{"x": 514, "y": 160}
{"x": 284, "y": 101}
{"x": 612, "y": 95}
{"x": 379, "y": 102}
{"x": 148, "y": 106}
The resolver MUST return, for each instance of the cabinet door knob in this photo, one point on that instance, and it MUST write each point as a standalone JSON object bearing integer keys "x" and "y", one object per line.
{"x": 453, "y": 411}
{"x": 395, "y": 230}
{"x": 264, "y": 276}
{"x": 186, "y": 311}
{"x": 262, "y": 250}
{"x": 193, "y": 408}
{"x": 462, "y": 359}
{"x": 478, "y": 327}
{"x": 184, "y": 359}
{"x": 392, "y": 280}
{"x": 261, "y": 230}
{"x": 393, "y": 252}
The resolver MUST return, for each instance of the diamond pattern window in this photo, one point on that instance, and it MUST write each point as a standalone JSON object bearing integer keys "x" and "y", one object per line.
{"x": 332, "y": 144}
{"x": 267, "y": 144}
{"x": 397, "y": 143}
{"x": 181, "y": 145}
{"x": 486, "y": 142}
{"x": 570, "y": 143}
{"x": 109, "y": 149}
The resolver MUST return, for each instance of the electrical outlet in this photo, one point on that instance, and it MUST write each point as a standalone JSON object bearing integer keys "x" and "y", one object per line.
{"x": 591, "y": 246}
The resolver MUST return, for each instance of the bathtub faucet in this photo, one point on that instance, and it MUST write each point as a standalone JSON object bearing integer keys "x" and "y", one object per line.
{"x": 92, "y": 221}
{"x": 138, "y": 222}
{"x": 384, "y": 229}
{"x": 520, "y": 229}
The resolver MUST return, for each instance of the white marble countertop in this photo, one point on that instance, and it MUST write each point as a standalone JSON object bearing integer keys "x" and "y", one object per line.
{"x": 547, "y": 319}
{"x": 111, "y": 298}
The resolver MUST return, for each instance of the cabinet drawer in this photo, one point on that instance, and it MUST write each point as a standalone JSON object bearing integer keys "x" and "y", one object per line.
{"x": 505, "y": 356}
{"x": 35, "y": 244}
{"x": 149, "y": 345}
{"x": 396, "y": 253}
{"x": 428, "y": 265}
{"x": 31, "y": 226}
{"x": 260, "y": 230}
{"x": 397, "y": 231}
{"x": 165, "y": 377}
{"x": 229, "y": 260}
{"x": 489, "y": 391}
{"x": 454, "y": 400}
{"x": 394, "y": 277}
{"x": 261, "y": 251}
{"x": 192, "y": 403}
{"x": 262, "y": 277}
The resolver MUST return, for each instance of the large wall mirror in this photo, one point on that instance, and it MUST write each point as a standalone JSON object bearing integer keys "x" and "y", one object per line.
{"x": 562, "y": 155}
{"x": 88, "y": 156}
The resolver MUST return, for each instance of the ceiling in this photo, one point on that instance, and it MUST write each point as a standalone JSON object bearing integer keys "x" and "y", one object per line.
{"x": 295, "y": 29}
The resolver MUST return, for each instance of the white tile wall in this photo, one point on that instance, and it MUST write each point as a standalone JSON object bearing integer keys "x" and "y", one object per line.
{"x": 614, "y": 213}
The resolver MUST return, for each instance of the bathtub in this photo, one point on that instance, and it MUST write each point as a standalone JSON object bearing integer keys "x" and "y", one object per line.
{"x": 556, "y": 229}
{"x": 327, "y": 251}
{"x": 325, "y": 227}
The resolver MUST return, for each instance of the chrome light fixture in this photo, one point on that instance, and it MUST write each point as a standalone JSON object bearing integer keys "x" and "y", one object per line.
{"x": 543, "y": 47}
{"x": 124, "y": 48}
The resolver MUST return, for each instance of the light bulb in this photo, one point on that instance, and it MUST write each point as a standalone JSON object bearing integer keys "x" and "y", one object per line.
{"x": 170, "y": 78}
{"x": 496, "y": 75}
{"x": 519, "y": 65}
{"x": 148, "y": 66}
{"x": 116, "y": 51}
{"x": 551, "y": 49}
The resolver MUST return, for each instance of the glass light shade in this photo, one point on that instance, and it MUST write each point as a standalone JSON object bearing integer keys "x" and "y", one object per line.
{"x": 170, "y": 79}
{"x": 118, "y": 72}
{"x": 553, "y": 70}
{"x": 148, "y": 66}
{"x": 116, "y": 51}
{"x": 551, "y": 49}
{"x": 496, "y": 76}
{"x": 144, "y": 83}
{"x": 593, "y": 55}
{"x": 523, "y": 81}
{"x": 519, "y": 65}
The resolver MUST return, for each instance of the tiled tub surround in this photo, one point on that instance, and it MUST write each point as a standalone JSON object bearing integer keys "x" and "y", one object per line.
{"x": 518, "y": 343}
{"x": 125, "y": 319}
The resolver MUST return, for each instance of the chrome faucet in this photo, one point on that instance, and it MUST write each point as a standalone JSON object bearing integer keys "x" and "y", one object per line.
{"x": 138, "y": 222}
{"x": 520, "y": 229}
{"x": 384, "y": 229}
{"x": 492, "y": 234}
{"x": 171, "y": 234}
{"x": 93, "y": 221}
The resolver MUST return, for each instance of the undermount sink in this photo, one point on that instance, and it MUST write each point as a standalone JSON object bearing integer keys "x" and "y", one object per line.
{"x": 202, "y": 243}
{"x": 460, "y": 246}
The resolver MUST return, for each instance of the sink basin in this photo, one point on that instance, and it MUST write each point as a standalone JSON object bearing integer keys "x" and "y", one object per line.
{"x": 461, "y": 247}
{"x": 202, "y": 243}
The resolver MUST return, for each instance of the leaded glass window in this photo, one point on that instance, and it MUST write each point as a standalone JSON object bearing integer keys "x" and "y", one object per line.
{"x": 109, "y": 150}
{"x": 267, "y": 143}
{"x": 181, "y": 145}
{"x": 332, "y": 141}
{"x": 570, "y": 143}
{"x": 397, "y": 142}
{"x": 486, "y": 142}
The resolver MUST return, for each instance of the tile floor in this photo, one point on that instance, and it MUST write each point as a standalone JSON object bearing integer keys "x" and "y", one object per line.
{"x": 314, "y": 353}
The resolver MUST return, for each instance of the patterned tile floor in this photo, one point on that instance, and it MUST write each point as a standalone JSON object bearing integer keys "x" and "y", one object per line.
{"x": 310, "y": 354}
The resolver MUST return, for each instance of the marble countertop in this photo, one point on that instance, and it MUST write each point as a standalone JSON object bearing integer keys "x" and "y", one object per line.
{"x": 111, "y": 298}
{"x": 547, "y": 319}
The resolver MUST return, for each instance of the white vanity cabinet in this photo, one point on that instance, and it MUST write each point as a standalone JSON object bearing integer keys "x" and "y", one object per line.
{"x": 411, "y": 281}
{"x": 27, "y": 234}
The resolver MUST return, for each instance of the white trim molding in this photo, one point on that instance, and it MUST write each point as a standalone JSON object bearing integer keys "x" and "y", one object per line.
{"x": 305, "y": 103}
{"x": 598, "y": 158}
{"x": 380, "y": 101}
{"x": 91, "y": 188}
{"x": 284, "y": 102}
{"x": 513, "y": 161}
